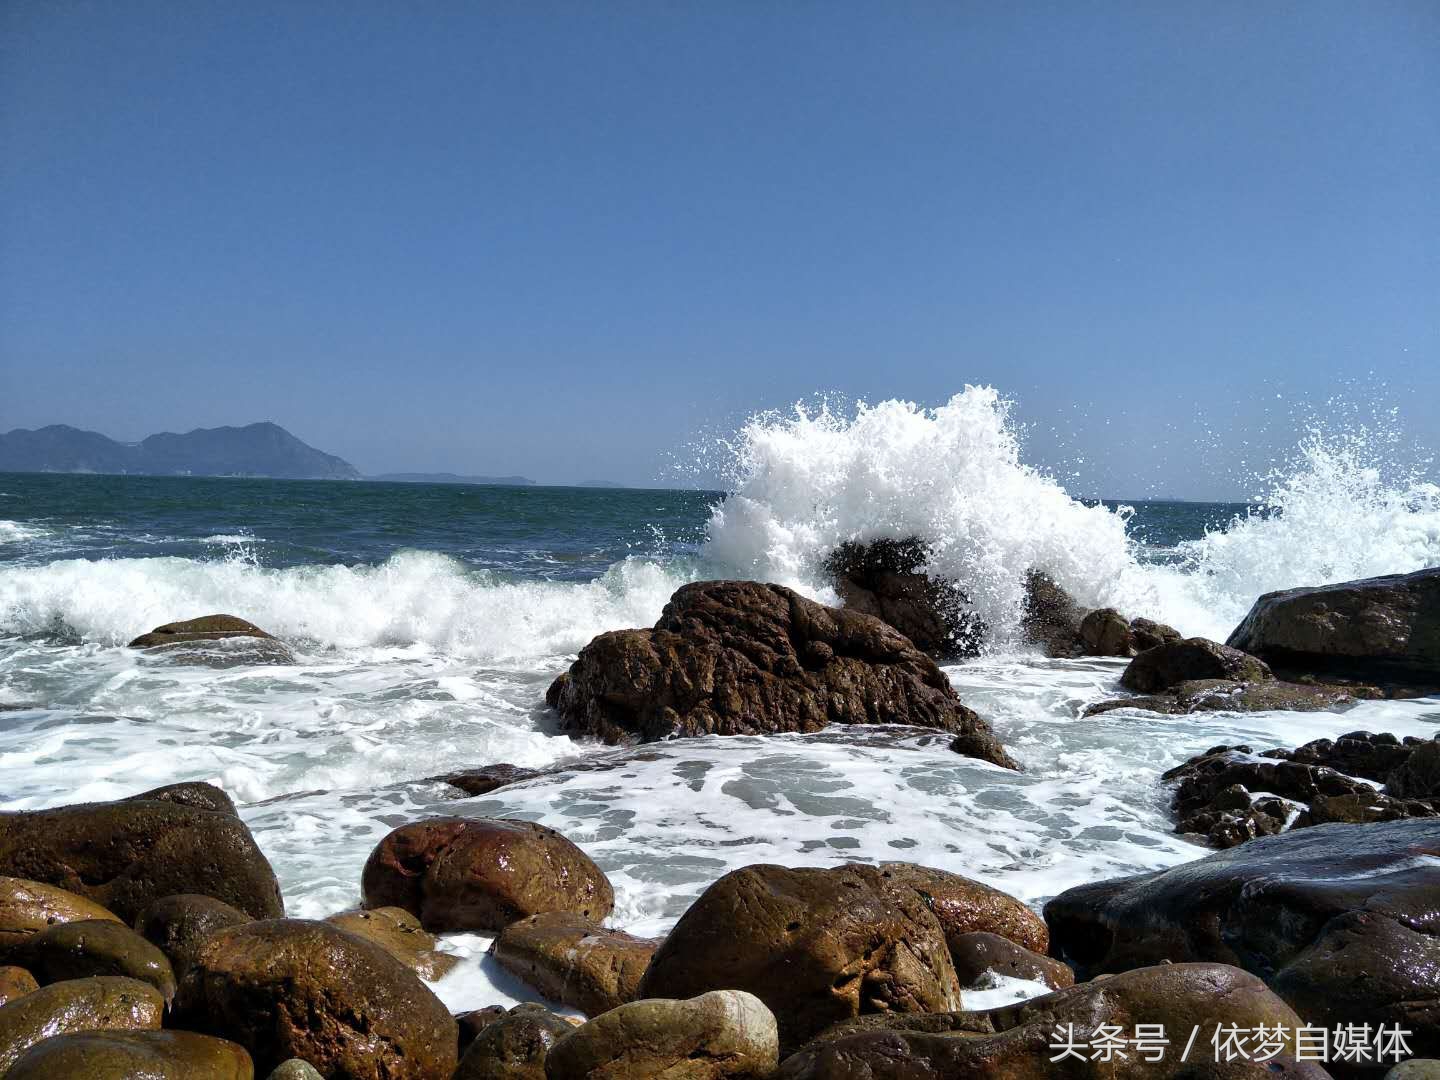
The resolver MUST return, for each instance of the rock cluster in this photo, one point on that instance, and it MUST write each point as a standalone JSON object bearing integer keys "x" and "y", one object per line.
{"x": 1229, "y": 794}
{"x": 746, "y": 658}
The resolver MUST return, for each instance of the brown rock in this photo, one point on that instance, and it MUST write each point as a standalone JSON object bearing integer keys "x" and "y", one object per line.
{"x": 216, "y": 640}
{"x": 205, "y": 628}
{"x": 1385, "y": 629}
{"x": 574, "y": 961}
{"x": 15, "y": 982}
{"x": 133, "y": 1055}
{"x": 484, "y": 780}
{"x": 724, "y": 1033}
{"x": 1105, "y": 632}
{"x": 77, "y": 950}
{"x": 287, "y": 988}
{"x": 1052, "y": 618}
{"x": 746, "y": 658}
{"x": 965, "y": 907}
{"x": 1166, "y": 666}
{"x": 887, "y": 579}
{"x": 513, "y": 1046}
{"x": 975, "y": 955}
{"x": 817, "y": 946}
{"x": 475, "y": 1021}
{"x": 180, "y": 925}
{"x": 400, "y": 934}
{"x": 482, "y": 874}
{"x": 1418, "y": 777}
{"x": 1340, "y": 920}
{"x": 1016, "y": 1041}
{"x": 124, "y": 855}
{"x": 192, "y": 793}
{"x": 106, "y": 1003}
{"x": 27, "y": 907}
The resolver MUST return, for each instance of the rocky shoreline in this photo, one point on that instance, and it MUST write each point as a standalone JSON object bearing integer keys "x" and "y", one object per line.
{"x": 148, "y": 937}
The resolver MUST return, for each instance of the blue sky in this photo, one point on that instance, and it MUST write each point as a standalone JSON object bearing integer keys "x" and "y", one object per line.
{"x": 566, "y": 240}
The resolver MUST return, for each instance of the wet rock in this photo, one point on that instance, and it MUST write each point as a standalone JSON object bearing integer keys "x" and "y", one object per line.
{"x": 1286, "y": 907}
{"x": 15, "y": 982}
{"x": 400, "y": 934}
{"x": 816, "y": 945}
{"x": 484, "y": 780}
{"x": 1106, "y": 632}
{"x": 1051, "y": 618}
{"x": 1356, "y": 753}
{"x": 1016, "y": 1041}
{"x": 1225, "y": 695}
{"x": 746, "y": 658}
{"x": 77, "y": 950}
{"x": 1384, "y": 629}
{"x": 192, "y": 793}
{"x": 295, "y": 1069}
{"x": 1418, "y": 776}
{"x": 27, "y": 907}
{"x": 131, "y": 1055}
{"x": 1415, "y": 1069}
{"x": 574, "y": 961}
{"x": 975, "y": 955}
{"x": 1167, "y": 666}
{"x": 108, "y": 1003}
{"x": 963, "y": 906}
{"x": 724, "y": 1033}
{"x": 124, "y": 855}
{"x": 1363, "y": 809}
{"x": 180, "y": 925}
{"x": 287, "y": 988}
{"x": 514, "y": 1046}
{"x": 482, "y": 874}
{"x": 887, "y": 579}
{"x": 221, "y": 640}
{"x": 475, "y": 1021}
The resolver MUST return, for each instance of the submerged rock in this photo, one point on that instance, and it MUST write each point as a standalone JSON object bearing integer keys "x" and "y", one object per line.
{"x": 216, "y": 640}
{"x": 1384, "y": 629}
{"x": 572, "y": 960}
{"x": 886, "y": 579}
{"x": 109, "y": 1003}
{"x": 286, "y": 988}
{"x": 133, "y": 1055}
{"x": 817, "y": 946}
{"x": 125, "y": 855}
{"x": 482, "y": 874}
{"x": 723, "y": 1033}
{"x": 746, "y": 658}
{"x": 1342, "y": 921}
{"x": 1018, "y": 1041}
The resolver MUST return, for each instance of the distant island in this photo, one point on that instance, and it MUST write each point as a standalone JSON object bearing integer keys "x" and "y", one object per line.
{"x": 452, "y": 478}
{"x": 265, "y": 450}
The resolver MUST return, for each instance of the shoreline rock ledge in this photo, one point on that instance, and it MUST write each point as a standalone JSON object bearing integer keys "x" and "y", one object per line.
{"x": 748, "y": 658}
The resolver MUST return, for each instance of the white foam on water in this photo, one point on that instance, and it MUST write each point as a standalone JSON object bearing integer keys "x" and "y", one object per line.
{"x": 14, "y": 532}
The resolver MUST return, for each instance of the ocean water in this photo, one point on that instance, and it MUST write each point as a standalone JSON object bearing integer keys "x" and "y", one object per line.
{"x": 428, "y": 621}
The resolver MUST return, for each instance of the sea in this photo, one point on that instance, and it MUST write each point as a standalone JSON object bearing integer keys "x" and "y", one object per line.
{"x": 428, "y": 621}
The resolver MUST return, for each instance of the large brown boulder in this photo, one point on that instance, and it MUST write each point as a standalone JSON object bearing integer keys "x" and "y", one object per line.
{"x": 724, "y": 1033}
{"x": 105, "y": 1003}
{"x": 27, "y": 907}
{"x": 77, "y": 950}
{"x": 1105, "y": 632}
{"x": 216, "y": 639}
{"x": 1385, "y": 629}
{"x": 746, "y": 658}
{"x": 887, "y": 579}
{"x": 574, "y": 961}
{"x": 1018, "y": 1042}
{"x": 1342, "y": 921}
{"x": 124, "y": 855}
{"x": 133, "y": 1055}
{"x": 1167, "y": 666}
{"x": 400, "y": 934}
{"x": 286, "y": 988}
{"x": 977, "y": 956}
{"x": 513, "y": 1046}
{"x": 482, "y": 874}
{"x": 816, "y": 945}
{"x": 180, "y": 925}
{"x": 963, "y": 906}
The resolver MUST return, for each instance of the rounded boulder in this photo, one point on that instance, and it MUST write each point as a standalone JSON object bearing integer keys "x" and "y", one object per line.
{"x": 106, "y": 1003}
{"x": 133, "y": 1055}
{"x": 77, "y": 950}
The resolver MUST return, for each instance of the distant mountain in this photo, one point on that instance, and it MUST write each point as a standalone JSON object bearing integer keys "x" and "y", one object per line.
{"x": 599, "y": 484}
{"x": 254, "y": 450}
{"x": 452, "y": 478}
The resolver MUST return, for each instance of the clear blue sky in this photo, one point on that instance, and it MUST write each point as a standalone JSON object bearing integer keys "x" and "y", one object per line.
{"x": 560, "y": 239}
